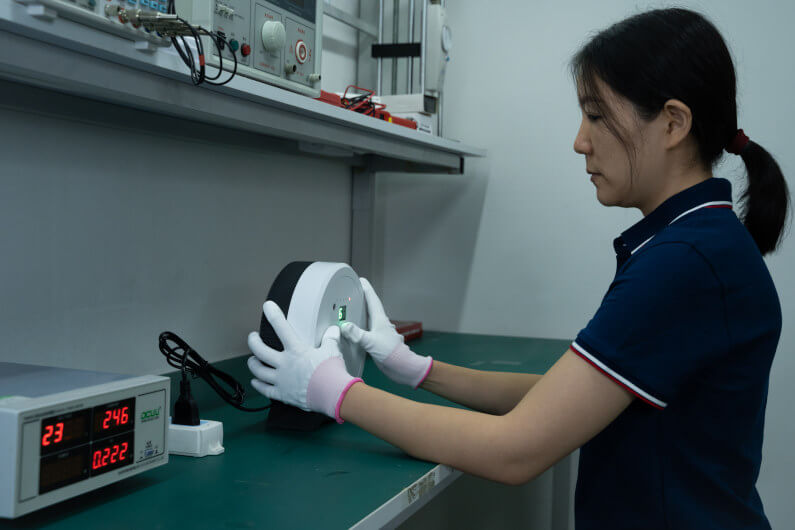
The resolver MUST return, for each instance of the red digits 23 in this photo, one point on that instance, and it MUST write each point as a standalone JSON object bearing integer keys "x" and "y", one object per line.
{"x": 45, "y": 440}
{"x": 58, "y": 432}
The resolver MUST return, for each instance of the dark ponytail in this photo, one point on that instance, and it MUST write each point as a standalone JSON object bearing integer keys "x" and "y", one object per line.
{"x": 765, "y": 201}
{"x": 677, "y": 53}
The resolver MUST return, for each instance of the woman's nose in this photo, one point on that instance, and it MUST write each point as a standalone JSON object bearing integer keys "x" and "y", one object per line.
{"x": 581, "y": 143}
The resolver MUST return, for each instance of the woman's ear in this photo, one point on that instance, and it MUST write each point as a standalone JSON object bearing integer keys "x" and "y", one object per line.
{"x": 678, "y": 122}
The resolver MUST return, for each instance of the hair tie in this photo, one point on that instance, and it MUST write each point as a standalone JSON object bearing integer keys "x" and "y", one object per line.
{"x": 738, "y": 143}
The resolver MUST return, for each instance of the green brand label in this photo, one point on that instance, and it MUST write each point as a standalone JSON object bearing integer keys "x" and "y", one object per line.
{"x": 149, "y": 415}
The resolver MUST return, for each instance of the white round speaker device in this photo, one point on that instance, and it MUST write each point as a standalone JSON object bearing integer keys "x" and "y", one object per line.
{"x": 314, "y": 296}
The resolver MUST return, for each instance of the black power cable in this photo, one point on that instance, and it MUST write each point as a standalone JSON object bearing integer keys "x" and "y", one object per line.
{"x": 180, "y": 355}
{"x": 197, "y": 69}
{"x": 217, "y": 39}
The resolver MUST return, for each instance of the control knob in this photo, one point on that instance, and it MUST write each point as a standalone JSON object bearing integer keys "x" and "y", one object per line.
{"x": 273, "y": 36}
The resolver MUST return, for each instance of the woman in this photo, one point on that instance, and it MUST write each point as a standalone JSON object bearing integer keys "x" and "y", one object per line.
{"x": 665, "y": 388}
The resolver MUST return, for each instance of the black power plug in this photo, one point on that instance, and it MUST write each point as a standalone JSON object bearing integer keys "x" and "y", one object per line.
{"x": 180, "y": 355}
{"x": 186, "y": 410}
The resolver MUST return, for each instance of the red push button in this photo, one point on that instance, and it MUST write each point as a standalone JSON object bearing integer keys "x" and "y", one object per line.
{"x": 245, "y": 50}
{"x": 301, "y": 51}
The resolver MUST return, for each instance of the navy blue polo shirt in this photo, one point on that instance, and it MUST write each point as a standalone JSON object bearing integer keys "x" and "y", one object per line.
{"x": 689, "y": 325}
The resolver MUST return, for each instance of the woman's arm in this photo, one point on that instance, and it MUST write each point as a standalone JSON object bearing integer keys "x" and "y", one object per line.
{"x": 491, "y": 392}
{"x": 569, "y": 405}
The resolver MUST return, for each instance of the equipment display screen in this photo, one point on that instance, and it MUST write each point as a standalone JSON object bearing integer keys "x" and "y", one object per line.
{"x": 111, "y": 454}
{"x": 86, "y": 443}
{"x": 64, "y": 431}
{"x": 113, "y": 418}
{"x": 305, "y": 9}
{"x": 63, "y": 469}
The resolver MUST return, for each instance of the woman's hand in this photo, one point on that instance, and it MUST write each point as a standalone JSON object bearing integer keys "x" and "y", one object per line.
{"x": 385, "y": 345}
{"x": 303, "y": 376}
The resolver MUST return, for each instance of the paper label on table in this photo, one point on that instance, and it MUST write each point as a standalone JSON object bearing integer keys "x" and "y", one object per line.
{"x": 421, "y": 487}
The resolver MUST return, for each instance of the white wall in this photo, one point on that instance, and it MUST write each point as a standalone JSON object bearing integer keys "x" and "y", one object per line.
{"x": 519, "y": 245}
{"x": 118, "y": 224}
{"x": 111, "y": 234}
{"x": 340, "y": 49}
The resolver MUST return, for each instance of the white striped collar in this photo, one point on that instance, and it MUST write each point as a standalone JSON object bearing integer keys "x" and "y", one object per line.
{"x": 711, "y": 193}
{"x": 711, "y": 204}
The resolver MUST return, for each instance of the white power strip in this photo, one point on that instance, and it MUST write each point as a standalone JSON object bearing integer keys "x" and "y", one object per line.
{"x": 204, "y": 439}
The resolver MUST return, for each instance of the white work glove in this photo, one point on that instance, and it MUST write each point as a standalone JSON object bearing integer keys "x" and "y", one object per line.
{"x": 385, "y": 345}
{"x": 303, "y": 376}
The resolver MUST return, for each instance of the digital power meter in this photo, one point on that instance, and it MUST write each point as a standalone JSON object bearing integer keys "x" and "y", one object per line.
{"x": 66, "y": 432}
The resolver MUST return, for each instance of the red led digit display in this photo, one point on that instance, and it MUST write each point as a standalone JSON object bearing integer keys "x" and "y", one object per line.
{"x": 64, "y": 431}
{"x": 58, "y": 433}
{"x": 86, "y": 443}
{"x": 47, "y": 438}
{"x": 111, "y": 453}
{"x": 114, "y": 418}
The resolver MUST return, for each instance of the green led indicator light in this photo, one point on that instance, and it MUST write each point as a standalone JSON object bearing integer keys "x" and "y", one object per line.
{"x": 341, "y": 314}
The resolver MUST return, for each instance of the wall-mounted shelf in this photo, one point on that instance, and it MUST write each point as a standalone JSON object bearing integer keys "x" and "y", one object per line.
{"x": 112, "y": 70}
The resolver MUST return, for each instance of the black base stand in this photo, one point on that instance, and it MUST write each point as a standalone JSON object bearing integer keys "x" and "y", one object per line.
{"x": 289, "y": 418}
{"x": 281, "y": 416}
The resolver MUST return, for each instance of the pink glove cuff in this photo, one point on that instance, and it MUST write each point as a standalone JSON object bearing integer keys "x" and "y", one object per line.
{"x": 406, "y": 367}
{"x": 327, "y": 387}
{"x": 342, "y": 398}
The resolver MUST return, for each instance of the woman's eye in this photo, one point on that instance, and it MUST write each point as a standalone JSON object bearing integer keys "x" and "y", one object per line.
{"x": 593, "y": 117}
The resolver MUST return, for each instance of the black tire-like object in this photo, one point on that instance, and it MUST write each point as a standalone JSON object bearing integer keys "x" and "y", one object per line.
{"x": 281, "y": 415}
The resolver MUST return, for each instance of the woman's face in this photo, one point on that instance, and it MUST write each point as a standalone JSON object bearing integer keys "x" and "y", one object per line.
{"x": 607, "y": 161}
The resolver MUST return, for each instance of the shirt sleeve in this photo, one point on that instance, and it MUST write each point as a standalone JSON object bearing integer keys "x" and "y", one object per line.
{"x": 661, "y": 322}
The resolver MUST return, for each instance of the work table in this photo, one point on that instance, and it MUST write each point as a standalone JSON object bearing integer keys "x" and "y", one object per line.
{"x": 336, "y": 477}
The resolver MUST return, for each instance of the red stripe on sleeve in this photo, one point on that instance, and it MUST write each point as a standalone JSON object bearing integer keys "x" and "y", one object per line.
{"x": 586, "y": 359}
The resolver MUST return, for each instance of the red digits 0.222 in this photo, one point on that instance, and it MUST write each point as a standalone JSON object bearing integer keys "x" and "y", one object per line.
{"x": 109, "y": 455}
